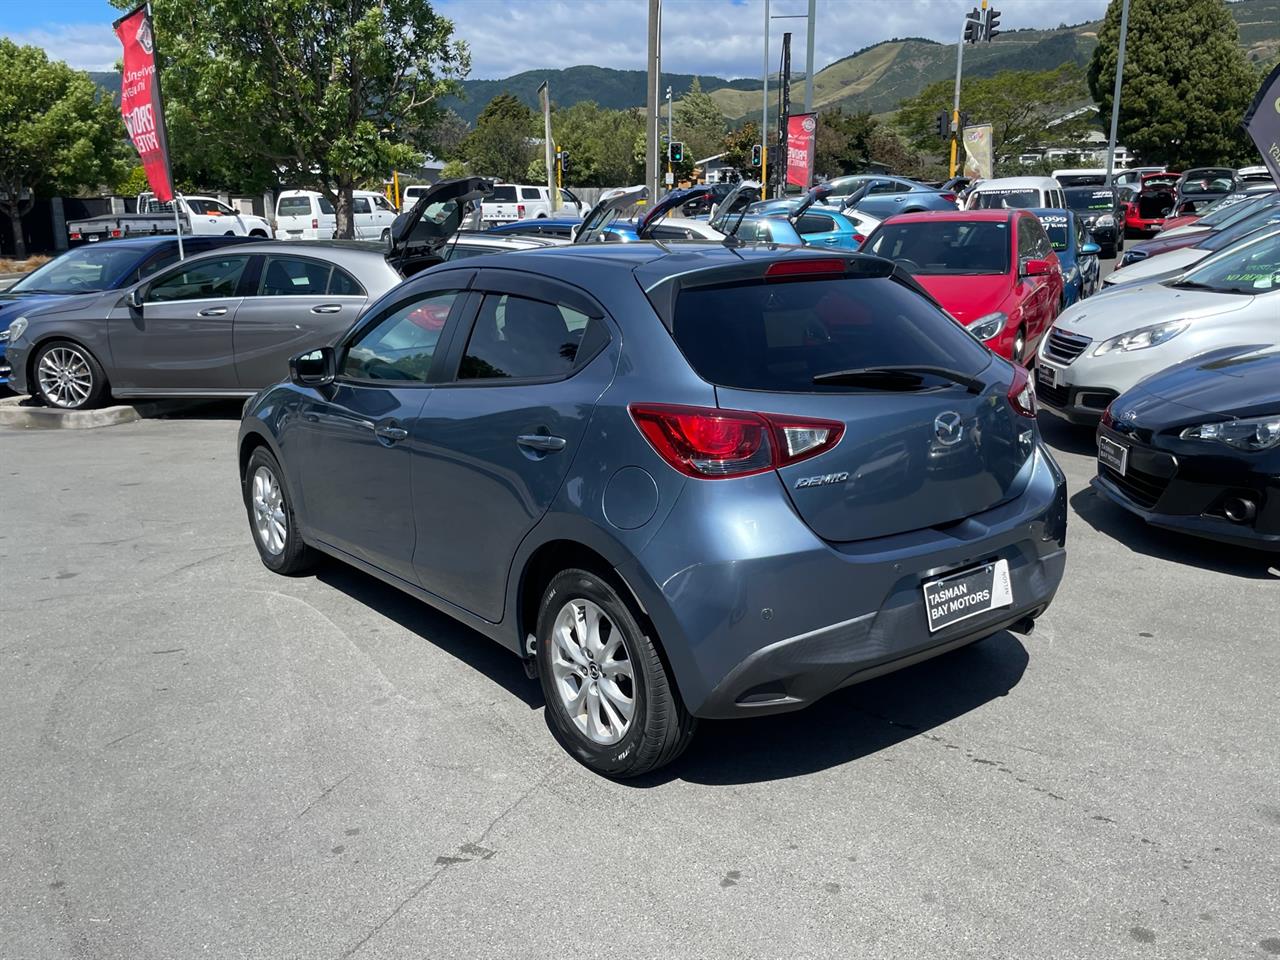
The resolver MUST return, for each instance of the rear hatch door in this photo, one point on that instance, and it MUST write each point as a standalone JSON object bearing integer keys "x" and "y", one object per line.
{"x": 435, "y": 218}
{"x": 917, "y": 450}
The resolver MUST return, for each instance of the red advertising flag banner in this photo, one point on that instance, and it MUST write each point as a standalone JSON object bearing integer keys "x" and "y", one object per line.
{"x": 801, "y": 130}
{"x": 140, "y": 100}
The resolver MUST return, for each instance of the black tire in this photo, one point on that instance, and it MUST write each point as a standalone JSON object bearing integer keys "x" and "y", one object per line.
{"x": 293, "y": 556}
{"x": 659, "y": 729}
{"x": 79, "y": 363}
{"x": 386, "y": 235}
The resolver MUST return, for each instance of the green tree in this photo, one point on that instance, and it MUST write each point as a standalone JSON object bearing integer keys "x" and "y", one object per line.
{"x": 503, "y": 143}
{"x": 57, "y": 133}
{"x": 699, "y": 123}
{"x": 454, "y": 170}
{"x": 737, "y": 147}
{"x": 446, "y": 136}
{"x": 843, "y": 142}
{"x": 1024, "y": 107}
{"x": 324, "y": 93}
{"x": 1186, "y": 81}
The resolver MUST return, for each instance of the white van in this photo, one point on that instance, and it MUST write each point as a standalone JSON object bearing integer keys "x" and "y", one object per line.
{"x": 1021, "y": 192}
{"x": 308, "y": 215}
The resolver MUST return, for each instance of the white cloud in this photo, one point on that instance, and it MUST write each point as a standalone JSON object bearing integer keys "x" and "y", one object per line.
{"x": 721, "y": 37}
{"x": 85, "y": 46}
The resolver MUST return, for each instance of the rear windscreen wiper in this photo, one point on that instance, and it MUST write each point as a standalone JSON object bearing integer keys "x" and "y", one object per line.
{"x": 901, "y": 372}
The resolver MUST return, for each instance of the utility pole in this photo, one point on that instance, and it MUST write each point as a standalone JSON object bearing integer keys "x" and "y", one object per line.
{"x": 1115, "y": 96}
{"x": 544, "y": 98}
{"x": 970, "y": 31}
{"x": 764, "y": 112}
{"x": 808, "y": 59}
{"x": 671, "y": 177}
{"x": 651, "y": 131}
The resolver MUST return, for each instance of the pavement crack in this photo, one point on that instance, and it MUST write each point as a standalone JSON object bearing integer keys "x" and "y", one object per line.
{"x": 325, "y": 793}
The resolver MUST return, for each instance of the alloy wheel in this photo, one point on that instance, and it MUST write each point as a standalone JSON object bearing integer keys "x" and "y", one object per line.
{"x": 593, "y": 672}
{"x": 269, "y": 521}
{"x": 65, "y": 377}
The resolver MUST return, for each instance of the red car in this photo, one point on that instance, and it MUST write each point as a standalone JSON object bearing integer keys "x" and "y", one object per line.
{"x": 1145, "y": 211}
{"x": 993, "y": 270}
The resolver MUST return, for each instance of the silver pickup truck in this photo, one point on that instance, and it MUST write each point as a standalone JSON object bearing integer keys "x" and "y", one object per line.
{"x": 204, "y": 216}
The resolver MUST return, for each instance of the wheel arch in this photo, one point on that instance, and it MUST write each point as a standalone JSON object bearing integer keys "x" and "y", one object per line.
{"x": 33, "y": 354}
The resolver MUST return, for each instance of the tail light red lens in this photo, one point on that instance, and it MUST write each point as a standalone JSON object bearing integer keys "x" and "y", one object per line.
{"x": 315, "y": 223}
{"x": 75, "y": 236}
{"x": 714, "y": 444}
{"x": 949, "y": 197}
{"x": 804, "y": 268}
{"x": 1022, "y": 392}
{"x": 520, "y": 210}
{"x": 859, "y": 239}
{"x": 115, "y": 234}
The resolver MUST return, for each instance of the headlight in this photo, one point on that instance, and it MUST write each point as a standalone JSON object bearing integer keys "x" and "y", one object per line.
{"x": 1262, "y": 433}
{"x": 15, "y": 330}
{"x": 1106, "y": 220}
{"x": 984, "y": 328}
{"x": 1142, "y": 338}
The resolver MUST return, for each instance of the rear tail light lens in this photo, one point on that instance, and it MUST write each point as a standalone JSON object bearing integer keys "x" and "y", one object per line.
{"x": 75, "y": 236}
{"x": 859, "y": 239}
{"x": 804, "y": 267}
{"x": 949, "y": 197}
{"x": 1022, "y": 392}
{"x": 714, "y": 444}
{"x": 520, "y": 210}
{"x": 115, "y": 234}
{"x": 315, "y": 223}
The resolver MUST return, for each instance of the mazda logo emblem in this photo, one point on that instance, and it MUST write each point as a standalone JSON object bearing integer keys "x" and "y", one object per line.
{"x": 949, "y": 428}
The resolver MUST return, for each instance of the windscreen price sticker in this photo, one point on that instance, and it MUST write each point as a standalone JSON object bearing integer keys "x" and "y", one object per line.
{"x": 967, "y": 594}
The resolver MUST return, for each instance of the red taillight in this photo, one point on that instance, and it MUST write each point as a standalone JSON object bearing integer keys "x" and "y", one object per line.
{"x": 949, "y": 197}
{"x": 714, "y": 444}
{"x": 75, "y": 236}
{"x": 804, "y": 267}
{"x": 315, "y": 223}
{"x": 115, "y": 234}
{"x": 859, "y": 238}
{"x": 520, "y": 211}
{"x": 1107, "y": 419}
{"x": 1022, "y": 392}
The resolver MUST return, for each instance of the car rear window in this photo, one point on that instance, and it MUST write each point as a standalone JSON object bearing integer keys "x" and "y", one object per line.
{"x": 944, "y": 247}
{"x": 294, "y": 207}
{"x": 778, "y": 336}
{"x": 503, "y": 195}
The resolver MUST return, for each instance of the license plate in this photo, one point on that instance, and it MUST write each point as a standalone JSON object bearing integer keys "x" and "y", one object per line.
{"x": 967, "y": 594}
{"x": 1112, "y": 454}
{"x": 1047, "y": 374}
{"x": 93, "y": 238}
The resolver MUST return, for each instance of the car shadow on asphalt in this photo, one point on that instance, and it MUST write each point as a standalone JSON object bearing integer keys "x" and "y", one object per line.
{"x": 1067, "y": 437}
{"x": 851, "y": 724}
{"x": 458, "y": 640}
{"x": 1119, "y": 524}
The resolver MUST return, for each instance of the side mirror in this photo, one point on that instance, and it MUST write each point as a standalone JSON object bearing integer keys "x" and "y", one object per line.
{"x": 1090, "y": 249}
{"x": 136, "y": 297}
{"x": 1034, "y": 268}
{"x": 314, "y": 368}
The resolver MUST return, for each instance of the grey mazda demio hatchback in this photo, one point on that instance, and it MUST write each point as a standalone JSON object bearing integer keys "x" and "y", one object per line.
{"x": 696, "y": 480}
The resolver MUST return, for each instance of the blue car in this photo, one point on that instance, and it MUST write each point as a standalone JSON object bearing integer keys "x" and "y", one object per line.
{"x": 1077, "y": 253}
{"x": 817, "y": 225}
{"x": 712, "y": 479}
{"x": 88, "y": 270}
{"x": 562, "y": 227}
{"x": 882, "y": 196}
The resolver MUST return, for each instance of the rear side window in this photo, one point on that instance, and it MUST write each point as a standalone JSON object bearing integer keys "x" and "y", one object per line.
{"x": 360, "y": 205}
{"x": 343, "y": 284}
{"x": 292, "y": 277}
{"x": 530, "y": 193}
{"x": 814, "y": 223}
{"x": 402, "y": 344}
{"x": 519, "y": 338}
{"x": 779, "y": 336}
{"x": 503, "y": 195}
{"x": 325, "y": 206}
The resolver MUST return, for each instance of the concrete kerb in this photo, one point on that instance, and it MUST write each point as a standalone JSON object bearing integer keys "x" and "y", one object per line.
{"x": 27, "y": 414}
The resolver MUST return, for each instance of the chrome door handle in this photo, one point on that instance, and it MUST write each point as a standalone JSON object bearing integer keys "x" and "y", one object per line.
{"x": 390, "y": 432}
{"x": 212, "y": 312}
{"x": 327, "y": 308}
{"x": 540, "y": 441}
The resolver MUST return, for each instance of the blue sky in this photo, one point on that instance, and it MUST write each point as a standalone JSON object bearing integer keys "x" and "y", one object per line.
{"x": 699, "y": 36}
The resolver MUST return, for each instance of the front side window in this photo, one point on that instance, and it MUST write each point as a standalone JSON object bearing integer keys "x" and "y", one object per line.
{"x": 200, "y": 280}
{"x": 382, "y": 203}
{"x": 209, "y": 208}
{"x": 519, "y": 338}
{"x": 293, "y": 277}
{"x": 401, "y": 346}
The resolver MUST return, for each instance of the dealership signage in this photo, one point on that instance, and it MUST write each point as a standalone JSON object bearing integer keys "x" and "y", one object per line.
{"x": 801, "y": 131}
{"x": 140, "y": 102}
{"x": 1262, "y": 120}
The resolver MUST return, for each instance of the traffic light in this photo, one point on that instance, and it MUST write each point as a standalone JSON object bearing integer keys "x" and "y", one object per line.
{"x": 675, "y": 152}
{"x": 944, "y": 124}
{"x": 964, "y": 121}
{"x": 755, "y": 155}
{"x": 992, "y": 21}
{"x": 563, "y": 157}
{"x": 973, "y": 26}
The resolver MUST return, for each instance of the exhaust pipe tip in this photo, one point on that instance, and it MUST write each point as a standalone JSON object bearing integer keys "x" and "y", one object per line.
{"x": 1239, "y": 509}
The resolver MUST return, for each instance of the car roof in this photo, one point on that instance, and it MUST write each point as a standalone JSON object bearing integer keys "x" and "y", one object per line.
{"x": 1000, "y": 215}
{"x": 342, "y": 252}
{"x": 1013, "y": 183}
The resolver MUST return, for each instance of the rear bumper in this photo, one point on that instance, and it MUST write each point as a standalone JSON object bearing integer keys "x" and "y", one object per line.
{"x": 772, "y": 618}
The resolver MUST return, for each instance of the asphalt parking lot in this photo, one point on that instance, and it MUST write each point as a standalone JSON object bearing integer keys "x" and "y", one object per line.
{"x": 199, "y": 758}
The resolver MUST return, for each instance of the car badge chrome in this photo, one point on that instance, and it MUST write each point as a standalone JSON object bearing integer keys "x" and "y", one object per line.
{"x": 1129, "y": 415}
{"x": 821, "y": 481}
{"x": 949, "y": 428}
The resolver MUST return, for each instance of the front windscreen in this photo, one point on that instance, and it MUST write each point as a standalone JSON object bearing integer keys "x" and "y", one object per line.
{"x": 781, "y": 335}
{"x": 82, "y": 270}
{"x": 1251, "y": 269}
{"x": 999, "y": 199}
{"x": 932, "y": 247}
{"x": 1090, "y": 198}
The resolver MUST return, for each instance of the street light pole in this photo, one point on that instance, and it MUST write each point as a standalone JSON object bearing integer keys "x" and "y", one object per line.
{"x": 651, "y": 114}
{"x": 670, "y": 140}
{"x": 808, "y": 59}
{"x": 1115, "y": 96}
{"x": 764, "y": 112}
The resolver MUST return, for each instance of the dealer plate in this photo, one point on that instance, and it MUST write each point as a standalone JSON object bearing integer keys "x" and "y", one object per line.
{"x": 967, "y": 594}
{"x": 1047, "y": 374}
{"x": 1112, "y": 454}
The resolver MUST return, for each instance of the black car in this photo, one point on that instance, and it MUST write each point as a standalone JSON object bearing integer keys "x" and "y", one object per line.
{"x": 1102, "y": 212}
{"x": 1196, "y": 448}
